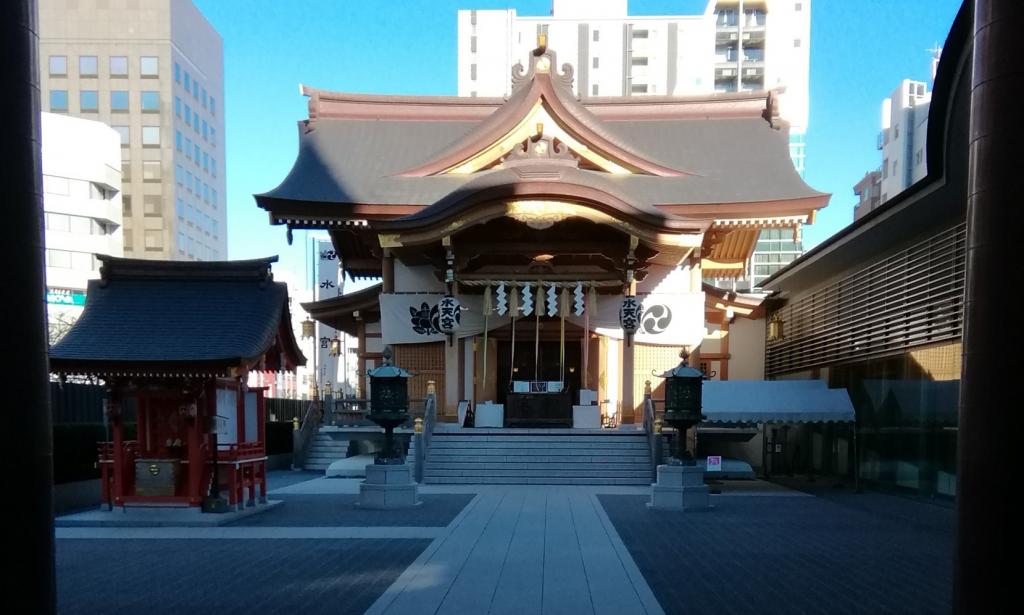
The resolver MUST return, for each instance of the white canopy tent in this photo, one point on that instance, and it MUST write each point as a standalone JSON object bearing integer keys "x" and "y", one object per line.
{"x": 775, "y": 401}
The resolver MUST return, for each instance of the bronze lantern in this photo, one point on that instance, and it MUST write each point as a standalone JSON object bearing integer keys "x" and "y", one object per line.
{"x": 307, "y": 328}
{"x": 683, "y": 385}
{"x": 389, "y": 405}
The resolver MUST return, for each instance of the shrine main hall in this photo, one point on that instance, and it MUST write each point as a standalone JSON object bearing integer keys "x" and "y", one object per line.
{"x": 541, "y": 255}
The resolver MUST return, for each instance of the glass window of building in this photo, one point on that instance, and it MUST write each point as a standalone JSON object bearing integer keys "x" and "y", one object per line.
{"x": 119, "y": 100}
{"x": 179, "y": 208}
{"x": 179, "y": 174}
{"x": 213, "y": 167}
{"x": 56, "y": 185}
{"x": 177, "y": 106}
{"x": 118, "y": 66}
{"x": 188, "y": 180}
{"x": 195, "y": 89}
{"x": 126, "y": 206}
{"x": 58, "y": 100}
{"x": 195, "y": 121}
{"x": 149, "y": 66}
{"x": 152, "y": 206}
{"x": 206, "y": 133}
{"x": 150, "y": 101}
{"x": 154, "y": 241}
{"x": 188, "y": 148}
{"x": 188, "y": 114}
{"x": 151, "y": 135}
{"x": 213, "y": 136}
{"x": 126, "y": 171}
{"x": 213, "y": 198}
{"x": 196, "y": 151}
{"x": 178, "y": 140}
{"x": 125, "y": 133}
{"x": 58, "y": 222}
{"x": 58, "y": 66}
{"x": 206, "y": 162}
{"x": 213, "y": 106}
{"x": 204, "y": 98}
{"x": 89, "y": 101}
{"x": 151, "y": 171}
{"x": 88, "y": 66}
{"x": 177, "y": 72}
{"x": 81, "y": 225}
{"x": 188, "y": 81}
{"x": 58, "y": 258}
{"x": 81, "y": 261}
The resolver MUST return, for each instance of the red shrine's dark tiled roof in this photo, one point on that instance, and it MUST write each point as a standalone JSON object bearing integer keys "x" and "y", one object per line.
{"x": 167, "y": 317}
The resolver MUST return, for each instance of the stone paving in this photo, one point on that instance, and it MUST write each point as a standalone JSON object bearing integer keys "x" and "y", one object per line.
{"x": 792, "y": 554}
{"x": 524, "y": 549}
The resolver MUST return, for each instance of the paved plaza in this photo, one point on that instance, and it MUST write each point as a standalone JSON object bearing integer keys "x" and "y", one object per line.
{"x": 764, "y": 548}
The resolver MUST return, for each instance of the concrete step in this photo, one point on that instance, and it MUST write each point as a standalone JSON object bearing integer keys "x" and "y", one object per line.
{"x": 442, "y": 437}
{"x": 536, "y": 452}
{"x": 512, "y": 480}
{"x": 540, "y": 473}
{"x": 597, "y": 458}
{"x": 562, "y": 446}
{"x": 431, "y": 466}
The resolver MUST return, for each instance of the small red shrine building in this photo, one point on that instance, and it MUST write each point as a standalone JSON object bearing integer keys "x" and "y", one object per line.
{"x": 174, "y": 343}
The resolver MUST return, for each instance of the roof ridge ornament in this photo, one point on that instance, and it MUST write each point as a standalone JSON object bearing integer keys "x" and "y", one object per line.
{"x": 541, "y": 60}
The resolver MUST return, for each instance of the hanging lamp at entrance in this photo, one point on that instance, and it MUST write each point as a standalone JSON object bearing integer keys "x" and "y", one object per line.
{"x": 629, "y": 314}
{"x": 449, "y": 314}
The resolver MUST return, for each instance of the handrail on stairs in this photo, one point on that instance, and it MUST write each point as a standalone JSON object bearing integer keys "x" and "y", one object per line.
{"x": 303, "y": 434}
{"x": 653, "y": 430}
{"x": 425, "y": 431}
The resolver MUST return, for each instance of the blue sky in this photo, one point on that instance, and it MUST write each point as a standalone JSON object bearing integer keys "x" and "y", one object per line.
{"x": 860, "y": 50}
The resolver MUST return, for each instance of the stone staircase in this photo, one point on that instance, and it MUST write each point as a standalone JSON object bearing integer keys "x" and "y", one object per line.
{"x": 554, "y": 457}
{"x": 324, "y": 451}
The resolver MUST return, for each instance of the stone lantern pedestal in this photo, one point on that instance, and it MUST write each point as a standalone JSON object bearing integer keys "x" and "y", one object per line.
{"x": 680, "y": 487}
{"x": 388, "y": 486}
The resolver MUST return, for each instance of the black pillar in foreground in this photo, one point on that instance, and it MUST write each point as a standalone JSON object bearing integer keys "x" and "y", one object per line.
{"x": 26, "y": 446}
{"x": 988, "y": 470}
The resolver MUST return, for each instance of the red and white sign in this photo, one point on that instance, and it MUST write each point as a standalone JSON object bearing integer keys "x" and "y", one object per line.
{"x": 714, "y": 463}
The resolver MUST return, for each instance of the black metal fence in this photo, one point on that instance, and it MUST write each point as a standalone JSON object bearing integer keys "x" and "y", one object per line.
{"x": 74, "y": 403}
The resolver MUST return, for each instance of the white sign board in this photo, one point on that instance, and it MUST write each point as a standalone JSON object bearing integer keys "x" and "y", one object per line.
{"x": 714, "y": 463}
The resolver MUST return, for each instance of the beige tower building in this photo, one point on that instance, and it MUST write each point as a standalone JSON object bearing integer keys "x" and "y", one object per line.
{"x": 153, "y": 70}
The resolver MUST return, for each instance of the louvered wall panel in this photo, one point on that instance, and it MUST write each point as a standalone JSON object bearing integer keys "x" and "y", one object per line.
{"x": 910, "y": 299}
{"x": 427, "y": 362}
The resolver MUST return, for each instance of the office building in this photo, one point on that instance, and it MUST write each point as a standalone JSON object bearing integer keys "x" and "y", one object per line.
{"x": 153, "y": 70}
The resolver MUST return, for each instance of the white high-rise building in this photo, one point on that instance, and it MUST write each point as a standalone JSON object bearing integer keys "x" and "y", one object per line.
{"x": 735, "y": 45}
{"x": 903, "y": 142}
{"x": 82, "y": 210}
{"x": 904, "y": 137}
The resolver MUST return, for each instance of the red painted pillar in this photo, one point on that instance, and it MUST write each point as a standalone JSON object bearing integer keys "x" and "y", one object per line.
{"x": 118, "y": 452}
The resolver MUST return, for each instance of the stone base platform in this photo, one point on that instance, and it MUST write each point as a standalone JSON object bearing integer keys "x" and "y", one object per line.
{"x": 680, "y": 488}
{"x": 388, "y": 486}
